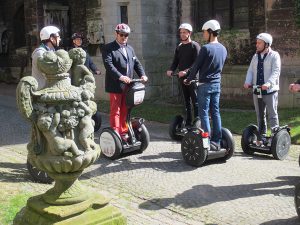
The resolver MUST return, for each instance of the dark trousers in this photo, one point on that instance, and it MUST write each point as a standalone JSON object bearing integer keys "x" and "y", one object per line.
{"x": 190, "y": 97}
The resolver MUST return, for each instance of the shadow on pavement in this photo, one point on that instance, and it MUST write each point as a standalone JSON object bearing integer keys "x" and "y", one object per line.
{"x": 203, "y": 195}
{"x": 255, "y": 156}
{"x": 177, "y": 165}
{"x": 16, "y": 172}
{"x": 294, "y": 220}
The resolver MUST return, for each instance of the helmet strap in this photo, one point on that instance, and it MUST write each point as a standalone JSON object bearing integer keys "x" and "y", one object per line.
{"x": 186, "y": 38}
{"x": 208, "y": 41}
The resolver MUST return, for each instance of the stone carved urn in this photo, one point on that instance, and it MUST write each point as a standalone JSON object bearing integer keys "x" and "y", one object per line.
{"x": 62, "y": 143}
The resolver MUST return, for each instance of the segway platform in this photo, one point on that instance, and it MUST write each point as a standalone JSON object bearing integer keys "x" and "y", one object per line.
{"x": 278, "y": 144}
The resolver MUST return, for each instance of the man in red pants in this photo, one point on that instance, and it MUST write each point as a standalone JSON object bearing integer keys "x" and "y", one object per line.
{"x": 120, "y": 61}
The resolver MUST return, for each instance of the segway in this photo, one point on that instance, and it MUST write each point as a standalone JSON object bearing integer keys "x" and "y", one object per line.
{"x": 277, "y": 144}
{"x": 38, "y": 175}
{"x": 195, "y": 147}
{"x": 97, "y": 120}
{"x": 177, "y": 127}
{"x": 111, "y": 143}
{"x": 297, "y": 200}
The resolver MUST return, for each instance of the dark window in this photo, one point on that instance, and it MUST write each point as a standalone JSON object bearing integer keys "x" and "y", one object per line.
{"x": 230, "y": 13}
{"x": 124, "y": 14}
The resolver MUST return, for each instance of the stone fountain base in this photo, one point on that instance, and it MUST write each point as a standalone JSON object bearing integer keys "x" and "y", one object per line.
{"x": 94, "y": 210}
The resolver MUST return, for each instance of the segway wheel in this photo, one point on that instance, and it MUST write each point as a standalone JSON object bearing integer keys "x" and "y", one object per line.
{"x": 176, "y": 124}
{"x": 192, "y": 149}
{"x": 38, "y": 175}
{"x": 143, "y": 136}
{"x": 297, "y": 199}
{"x": 249, "y": 137}
{"x": 97, "y": 119}
{"x": 228, "y": 143}
{"x": 110, "y": 143}
{"x": 280, "y": 146}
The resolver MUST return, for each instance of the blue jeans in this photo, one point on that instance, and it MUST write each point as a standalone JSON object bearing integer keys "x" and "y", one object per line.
{"x": 208, "y": 100}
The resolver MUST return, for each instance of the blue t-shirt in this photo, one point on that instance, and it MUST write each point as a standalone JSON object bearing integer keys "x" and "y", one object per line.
{"x": 209, "y": 63}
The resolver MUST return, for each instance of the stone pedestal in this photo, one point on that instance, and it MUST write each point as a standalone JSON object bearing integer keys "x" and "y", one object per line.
{"x": 95, "y": 210}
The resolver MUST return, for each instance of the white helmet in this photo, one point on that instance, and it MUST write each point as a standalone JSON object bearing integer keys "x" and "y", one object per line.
{"x": 123, "y": 28}
{"x": 211, "y": 24}
{"x": 186, "y": 26}
{"x": 267, "y": 38}
{"x": 47, "y": 31}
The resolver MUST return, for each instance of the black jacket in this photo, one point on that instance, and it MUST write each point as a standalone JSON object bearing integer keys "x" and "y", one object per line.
{"x": 115, "y": 64}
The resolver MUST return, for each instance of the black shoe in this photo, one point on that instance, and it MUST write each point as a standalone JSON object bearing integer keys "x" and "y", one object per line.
{"x": 214, "y": 146}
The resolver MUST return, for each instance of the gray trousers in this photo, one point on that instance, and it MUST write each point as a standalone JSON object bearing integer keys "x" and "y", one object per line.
{"x": 266, "y": 105}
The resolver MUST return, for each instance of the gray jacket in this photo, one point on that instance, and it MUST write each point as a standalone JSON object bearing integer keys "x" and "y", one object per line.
{"x": 36, "y": 73}
{"x": 272, "y": 68}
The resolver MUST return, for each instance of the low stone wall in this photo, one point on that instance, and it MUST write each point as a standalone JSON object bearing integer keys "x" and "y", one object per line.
{"x": 233, "y": 80}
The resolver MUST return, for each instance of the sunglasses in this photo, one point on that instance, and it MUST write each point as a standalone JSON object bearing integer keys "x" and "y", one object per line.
{"x": 123, "y": 35}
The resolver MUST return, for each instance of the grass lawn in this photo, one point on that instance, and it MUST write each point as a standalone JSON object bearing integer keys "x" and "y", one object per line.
{"x": 11, "y": 206}
{"x": 233, "y": 119}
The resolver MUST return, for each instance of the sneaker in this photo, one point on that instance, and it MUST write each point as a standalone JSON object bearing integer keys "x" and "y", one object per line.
{"x": 214, "y": 146}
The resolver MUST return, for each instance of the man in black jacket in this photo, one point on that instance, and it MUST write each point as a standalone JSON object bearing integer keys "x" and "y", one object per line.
{"x": 77, "y": 43}
{"x": 120, "y": 61}
{"x": 184, "y": 57}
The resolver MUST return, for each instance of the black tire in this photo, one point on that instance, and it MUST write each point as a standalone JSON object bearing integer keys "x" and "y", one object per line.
{"x": 176, "y": 123}
{"x": 248, "y": 137}
{"x": 110, "y": 143}
{"x": 281, "y": 143}
{"x": 228, "y": 143}
{"x": 38, "y": 175}
{"x": 97, "y": 119}
{"x": 192, "y": 149}
{"x": 297, "y": 199}
{"x": 143, "y": 136}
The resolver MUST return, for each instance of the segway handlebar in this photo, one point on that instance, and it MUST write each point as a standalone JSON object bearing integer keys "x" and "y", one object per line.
{"x": 136, "y": 80}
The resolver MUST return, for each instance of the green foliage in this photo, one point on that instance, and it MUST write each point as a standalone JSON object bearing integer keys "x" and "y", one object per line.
{"x": 297, "y": 16}
{"x": 237, "y": 43}
{"x": 11, "y": 207}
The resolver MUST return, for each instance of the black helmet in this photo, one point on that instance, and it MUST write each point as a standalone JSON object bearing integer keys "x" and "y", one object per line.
{"x": 77, "y": 35}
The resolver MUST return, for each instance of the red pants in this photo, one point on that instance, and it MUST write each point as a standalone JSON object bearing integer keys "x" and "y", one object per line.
{"x": 118, "y": 112}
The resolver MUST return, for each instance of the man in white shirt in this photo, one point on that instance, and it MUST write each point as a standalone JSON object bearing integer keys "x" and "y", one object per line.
{"x": 264, "y": 71}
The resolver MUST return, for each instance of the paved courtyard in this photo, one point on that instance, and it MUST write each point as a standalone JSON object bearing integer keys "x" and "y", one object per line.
{"x": 157, "y": 187}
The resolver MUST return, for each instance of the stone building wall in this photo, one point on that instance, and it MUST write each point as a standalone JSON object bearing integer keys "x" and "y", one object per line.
{"x": 153, "y": 37}
{"x": 274, "y": 16}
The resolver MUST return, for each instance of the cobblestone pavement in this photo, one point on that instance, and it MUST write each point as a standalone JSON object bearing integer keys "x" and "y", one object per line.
{"x": 157, "y": 187}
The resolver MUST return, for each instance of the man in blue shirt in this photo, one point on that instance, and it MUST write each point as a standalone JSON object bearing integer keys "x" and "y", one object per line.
{"x": 264, "y": 70}
{"x": 209, "y": 63}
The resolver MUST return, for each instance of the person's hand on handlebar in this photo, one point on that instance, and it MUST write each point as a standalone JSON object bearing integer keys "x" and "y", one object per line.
{"x": 186, "y": 82}
{"x": 125, "y": 79}
{"x": 169, "y": 73}
{"x": 144, "y": 78}
{"x": 294, "y": 87}
{"x": 182, "y": 73}
{"x": 246, "y": 85}
{"x": 265, "y": 87}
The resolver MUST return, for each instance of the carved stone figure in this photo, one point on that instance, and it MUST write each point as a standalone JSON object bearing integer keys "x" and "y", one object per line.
{"x": 62, "y": 143}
